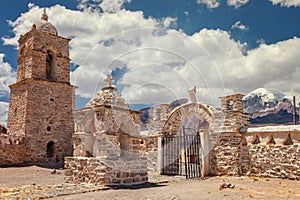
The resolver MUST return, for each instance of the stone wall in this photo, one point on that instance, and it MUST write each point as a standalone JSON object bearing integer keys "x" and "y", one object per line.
{"x": 12, "y": 150}
{"x": 280, "y": 161}
{"x": 150, "y": 151}
{"x": 32, "y": 56}
{"x": 273, "y": 151}
{"x": 109, "y": 171}
{"x": 268, "y": 152}
{"x": 225, "y": 154}
{"x": 44, "y": 114}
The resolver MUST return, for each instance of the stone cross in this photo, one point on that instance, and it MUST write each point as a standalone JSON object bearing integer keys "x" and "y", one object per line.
{"x": 109, "y": 80}
{"x": 44, "y": 16}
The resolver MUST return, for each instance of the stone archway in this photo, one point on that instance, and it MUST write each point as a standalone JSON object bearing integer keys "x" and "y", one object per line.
{"x": 195, "y": 153}
{"x": 175, "y": 118}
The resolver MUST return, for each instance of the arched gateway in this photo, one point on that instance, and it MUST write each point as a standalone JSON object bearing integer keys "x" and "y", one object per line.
{"x": 184, "y": 145}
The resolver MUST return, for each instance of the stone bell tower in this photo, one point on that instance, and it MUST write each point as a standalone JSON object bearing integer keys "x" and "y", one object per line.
{"x": 42, "y": 99}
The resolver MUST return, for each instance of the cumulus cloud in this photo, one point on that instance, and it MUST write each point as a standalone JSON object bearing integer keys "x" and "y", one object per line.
{"x": 209, "y": 3}
{"x": 237, "y": 3}
{"x": 7, "y": 76}
{"x": 286, "y": 3}
{"x": 103, "y": 5}
{"x": 240, "y": 26}
{"x": 158, "y": 63}
{"x": 273, "y": 65}
{"x": 3, "y": 113}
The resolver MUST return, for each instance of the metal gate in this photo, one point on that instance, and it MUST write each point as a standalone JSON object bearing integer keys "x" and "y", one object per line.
{"x": 181, "y": 154}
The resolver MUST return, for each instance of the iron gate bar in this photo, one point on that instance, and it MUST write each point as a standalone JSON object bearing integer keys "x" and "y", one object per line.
{"x": 181, "y": 154}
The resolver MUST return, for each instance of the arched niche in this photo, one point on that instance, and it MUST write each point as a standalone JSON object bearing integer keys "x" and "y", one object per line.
{"x": 50, "y": 150}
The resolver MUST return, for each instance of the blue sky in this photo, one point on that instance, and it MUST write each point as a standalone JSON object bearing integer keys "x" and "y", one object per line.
{"x": 158, "y": 49}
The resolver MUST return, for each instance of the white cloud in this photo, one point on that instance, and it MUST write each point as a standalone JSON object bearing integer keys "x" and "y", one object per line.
{"x": 209, "y": 3}
{"x": 160, "y": 63}
{"x": 7, "y": 75}
{"x": 237, "y": 3}
{"x": 286, "y": 3}
{"x": 104, "y": 5}
{"x": 240, "y": 26}
{"x": 275, "y": 65}
{"x": 170, "y": 22}
{"x": 3, "y": 113}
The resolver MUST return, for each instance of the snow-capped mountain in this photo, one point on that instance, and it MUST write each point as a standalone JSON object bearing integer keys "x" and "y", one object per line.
{"x": 268, "y": 107}
{"x": 263, "y": 100}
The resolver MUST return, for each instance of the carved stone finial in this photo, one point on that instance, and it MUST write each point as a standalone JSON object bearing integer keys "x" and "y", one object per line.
{"x": 192, "y": 95}
{"x": 109, "y": 80}
{"x": 44, "y": 16}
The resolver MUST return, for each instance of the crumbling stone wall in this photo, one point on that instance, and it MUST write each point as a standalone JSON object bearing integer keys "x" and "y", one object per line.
{"x": 12, "y": 150}
{"x": 126, "y": 170}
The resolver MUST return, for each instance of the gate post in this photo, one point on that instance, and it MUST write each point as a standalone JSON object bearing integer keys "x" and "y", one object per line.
{"x": 204, "y": 152}
{"x": 160, "y": 157}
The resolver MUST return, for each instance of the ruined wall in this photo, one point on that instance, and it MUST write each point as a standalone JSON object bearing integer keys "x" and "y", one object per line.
{"x": 108, "y": 171}
{"x": 12, "y": 150}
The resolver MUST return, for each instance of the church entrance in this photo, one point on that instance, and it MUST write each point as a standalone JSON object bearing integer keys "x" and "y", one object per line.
{"x": 185, "y": 143}
{"x": 182, "y": 154}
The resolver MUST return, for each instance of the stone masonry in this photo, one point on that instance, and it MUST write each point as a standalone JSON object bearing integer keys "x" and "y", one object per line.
{"x": 42, "y": 99}
{"x": 107, "y": 144}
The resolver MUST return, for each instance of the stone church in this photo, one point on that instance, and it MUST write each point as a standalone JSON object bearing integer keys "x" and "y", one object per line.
{"x": 40, "y": 118}
{"x": 108, "y": 145}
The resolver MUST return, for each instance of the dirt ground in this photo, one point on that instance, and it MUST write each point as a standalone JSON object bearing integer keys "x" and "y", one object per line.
{"x": 38, "y": 183}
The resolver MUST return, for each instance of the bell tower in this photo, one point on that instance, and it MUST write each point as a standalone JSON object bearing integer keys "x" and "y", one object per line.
{"x": 42, "y": 99}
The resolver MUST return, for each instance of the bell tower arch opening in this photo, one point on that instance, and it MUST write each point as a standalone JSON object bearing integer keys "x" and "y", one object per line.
{"x": 50, "y": 66}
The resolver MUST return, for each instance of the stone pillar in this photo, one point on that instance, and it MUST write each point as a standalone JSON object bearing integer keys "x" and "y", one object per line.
{"x": 159, "y": 154}
{"x": 204, "y": 152}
